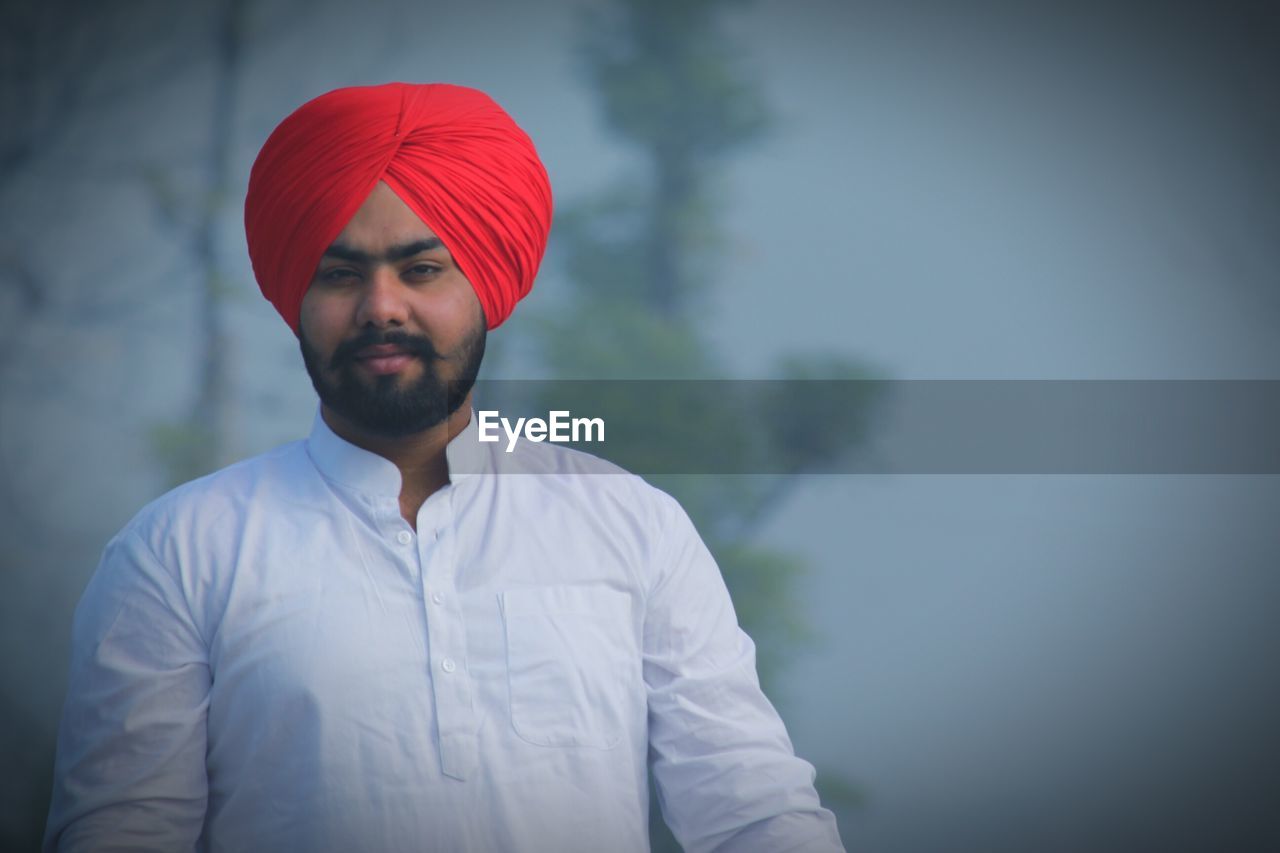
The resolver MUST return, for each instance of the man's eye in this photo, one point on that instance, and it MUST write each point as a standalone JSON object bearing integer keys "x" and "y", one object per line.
{"x": 424, "y": 269}
{"x": 337, "y": 274}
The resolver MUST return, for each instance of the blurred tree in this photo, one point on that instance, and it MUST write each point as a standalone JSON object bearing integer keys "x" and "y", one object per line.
{"x": 69, "y": 71}
{"x": 45, "y": 61}
{"x": 201, "y": 441}
{"x": 55, "y": 83}
{"x": 40, "y": 85}
{"x": 639, "y": 260}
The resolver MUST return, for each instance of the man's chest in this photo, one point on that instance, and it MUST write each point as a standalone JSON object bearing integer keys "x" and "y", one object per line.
{"x": 516, "y": 638}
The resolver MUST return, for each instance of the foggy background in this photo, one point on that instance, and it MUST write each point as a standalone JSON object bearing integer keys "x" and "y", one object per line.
{"x": 989, "y": 192}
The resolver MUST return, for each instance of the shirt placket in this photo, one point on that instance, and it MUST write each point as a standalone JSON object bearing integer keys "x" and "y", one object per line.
{"x": 446, "y": 636}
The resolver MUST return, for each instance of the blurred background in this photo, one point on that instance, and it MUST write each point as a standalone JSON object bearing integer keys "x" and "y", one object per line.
{"x": 744, "y": 190}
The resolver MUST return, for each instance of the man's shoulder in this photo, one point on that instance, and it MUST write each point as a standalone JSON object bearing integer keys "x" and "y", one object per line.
{"x": 206, "y": 502}
{"x": 560, "y": 473}
{"x": 545, "y": 457}
{"x": 557, "y": 466}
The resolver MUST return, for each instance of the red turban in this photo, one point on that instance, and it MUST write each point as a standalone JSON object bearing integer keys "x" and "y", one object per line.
{"x": 449, "y": 152}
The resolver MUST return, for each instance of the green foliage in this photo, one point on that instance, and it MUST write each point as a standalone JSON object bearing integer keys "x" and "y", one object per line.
{"x": 838, "y": 793}
{"x": 636, "y": 256}
{"x": 639, "y": 257}
{"x": 620, "y": 338}
{"x": 674, "y": 88}
{"x": 186, "y": 450}
{"x": 606, "y": 259}
{"x": 822, "y": 408}
{"x": 762, "y": 582}
{"x": 667, "y": 81}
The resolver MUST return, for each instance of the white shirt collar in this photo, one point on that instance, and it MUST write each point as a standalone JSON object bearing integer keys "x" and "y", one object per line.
{"x": 342, "y": 462}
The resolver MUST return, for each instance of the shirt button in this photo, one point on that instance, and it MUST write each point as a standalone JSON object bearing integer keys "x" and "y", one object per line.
{"x": 437, "y": 598}
{"x": 448, "y": 665}
{"x": 404, "y": 537}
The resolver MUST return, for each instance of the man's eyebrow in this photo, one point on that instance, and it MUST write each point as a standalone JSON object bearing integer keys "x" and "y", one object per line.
{"x": 394, "y": 253}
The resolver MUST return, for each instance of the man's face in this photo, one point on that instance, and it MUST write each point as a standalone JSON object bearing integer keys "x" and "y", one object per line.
{"x": 391, "y": 331}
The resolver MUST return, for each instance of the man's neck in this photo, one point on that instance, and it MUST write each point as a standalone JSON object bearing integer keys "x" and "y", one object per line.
{"x": 419, "y": 456}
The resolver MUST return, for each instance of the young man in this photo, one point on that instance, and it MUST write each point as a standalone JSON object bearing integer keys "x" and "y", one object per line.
{"x": 391, "y": 636}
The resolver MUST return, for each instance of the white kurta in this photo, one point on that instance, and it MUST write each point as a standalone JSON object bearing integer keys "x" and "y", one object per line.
{"x": 270, "y": 658}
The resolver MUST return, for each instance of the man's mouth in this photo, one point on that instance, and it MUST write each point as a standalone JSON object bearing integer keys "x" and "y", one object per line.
{"x": 383, "y": 359}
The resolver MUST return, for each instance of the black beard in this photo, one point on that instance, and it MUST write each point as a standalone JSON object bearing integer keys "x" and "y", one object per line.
{"x": 384, "y": 408}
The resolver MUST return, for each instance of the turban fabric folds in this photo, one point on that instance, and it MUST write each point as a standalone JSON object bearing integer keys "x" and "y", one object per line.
{"x": 449, "y": 152}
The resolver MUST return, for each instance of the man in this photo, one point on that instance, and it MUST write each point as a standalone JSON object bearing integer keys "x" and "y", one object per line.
{"x": 391, "y": 636}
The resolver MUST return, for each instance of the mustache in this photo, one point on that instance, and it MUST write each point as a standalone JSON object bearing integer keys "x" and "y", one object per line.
{"x": 411, "y": 344}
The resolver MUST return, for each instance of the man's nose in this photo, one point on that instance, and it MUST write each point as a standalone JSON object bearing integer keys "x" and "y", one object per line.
{"x": 383, "y": 301}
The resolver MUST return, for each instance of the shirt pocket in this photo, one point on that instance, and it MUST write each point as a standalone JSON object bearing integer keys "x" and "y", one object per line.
{"x": 572, "y": 660}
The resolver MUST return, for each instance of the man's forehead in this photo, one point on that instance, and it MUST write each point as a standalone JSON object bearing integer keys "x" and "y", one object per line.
{"x": 384, "y": 210}
{"x": 395, "y": 251}
{"x": 384, "y": 223}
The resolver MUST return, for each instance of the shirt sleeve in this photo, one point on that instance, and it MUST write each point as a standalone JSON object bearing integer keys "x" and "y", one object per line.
{"x": 130, "y": 767}
{"x": 726, "y": 774}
